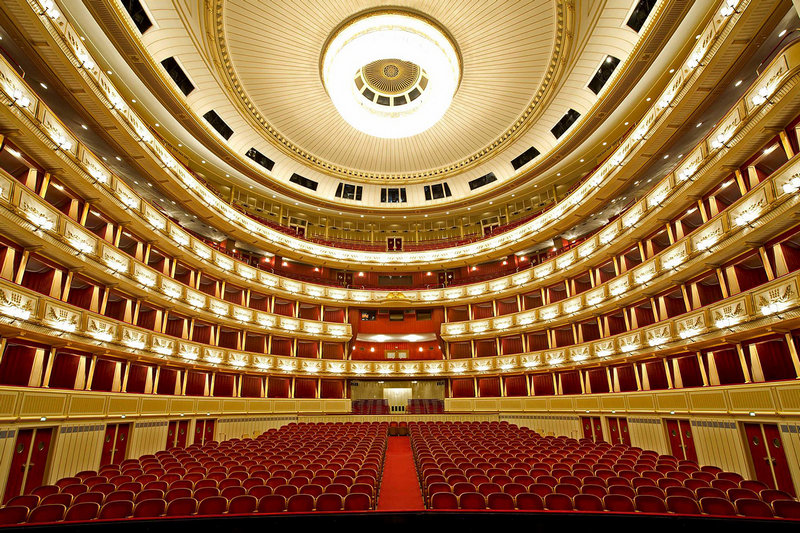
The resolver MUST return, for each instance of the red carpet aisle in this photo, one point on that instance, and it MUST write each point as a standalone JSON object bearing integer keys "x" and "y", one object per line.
{"x": 399, "y": 488}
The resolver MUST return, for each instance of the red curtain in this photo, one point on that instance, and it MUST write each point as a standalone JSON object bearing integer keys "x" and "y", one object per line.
{"x": 656, "y": 375}
{"x": 332, "y": 350}
{"x": 166, "y": 381}
{"x": 103, "y": 379}
{"x": 537, "y": 341}
{"x": 224, "y": 385}
{"x": 65, "y": 370}
{"x": 195, "y": 383}
{"x": 332, "y": 388}
{"x": 229, "y": 339}
{"x": 626, "y": 376}
{"x": 486, "y": 348}
{"x": 570, "y": 383}
{"x": 306, "y": 349}
{"x": 505, "y": 307}
{"x": 251, "y": 387}
{"x": 305, "y": 388}
{"x": 482, "y": 311}
{"x": 255, "y": 343}
{"x": 488, "y": 387}
{"x": 516, "y": 386}
{"x": 137, "y": 378}
{"x": 776, "y": 361}
{"x": 690, "y": 371}
{"x": 543, "y": 385}
{"x": 463, "y": 388}
{"x": 511, "y": 345}
{"x": 334, "y": 315}
{"x": 281, "y": 347}
{"x": 564, "y": 337}
{"x": 278, "y": 387}
{"x": 460, "y": 350}
{"x": 201, "y": 333}
{"x": 729, "y": 369}
{"x": 598, "y": 380}
{"x": 284, "y": 308}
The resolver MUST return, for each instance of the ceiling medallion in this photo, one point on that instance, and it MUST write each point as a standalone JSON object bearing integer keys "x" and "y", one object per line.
{"x": 390, "y": 74}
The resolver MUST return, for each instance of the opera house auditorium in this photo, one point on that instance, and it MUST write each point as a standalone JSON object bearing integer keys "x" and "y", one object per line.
{"x": 455, "y": 265}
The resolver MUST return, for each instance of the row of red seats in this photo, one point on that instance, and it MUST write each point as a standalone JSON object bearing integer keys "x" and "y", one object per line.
{"x": 341, "y": 461}
{"x": 183, "y": 507}
{"x": 527, "y": 501}
{"x": 464, "y": 461}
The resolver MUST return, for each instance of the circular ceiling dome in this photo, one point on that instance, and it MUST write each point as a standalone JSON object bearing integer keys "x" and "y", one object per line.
{"x": 390, "y": 74}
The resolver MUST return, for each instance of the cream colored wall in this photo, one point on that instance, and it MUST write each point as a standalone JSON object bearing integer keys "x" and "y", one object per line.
{"x": 647, "y": 433}
{"x": 147, "y": 437}
{"x": 720, "y": 442}
{"x": 568, "y": 425}
{"x": 74, "y": 447}
{"x": 790, "y": 436}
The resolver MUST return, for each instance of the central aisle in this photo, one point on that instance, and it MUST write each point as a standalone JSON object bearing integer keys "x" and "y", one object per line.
{"x": 399, "y": 488}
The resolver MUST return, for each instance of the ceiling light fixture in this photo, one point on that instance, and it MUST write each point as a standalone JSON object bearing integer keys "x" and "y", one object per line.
{"x": 390, "y": 74}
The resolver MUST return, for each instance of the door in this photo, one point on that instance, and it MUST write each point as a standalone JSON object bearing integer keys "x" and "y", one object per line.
{"x": 199, "y": 431}
{"x": 758, "y": 454}
{"x": 625, "y": 435}
{"x": 37, "y": 464}
{"x": 613, "y": 431}
{"x": 618, "y": 430}
{"x": 209, "y": 431}
{"x": 780, "y": 466}
{"x": 397, "y": 398}
{"x": 121, "y": 443}
{"x": 115, "y": 444}
{"x": 172, "y": 434}
{"x": 586, "y": 424}
{"x": 674, "y": 437}
{"x": 19, "y": 464}
{"x": 29, "y": 462}
{"x": 107, "y": 453}
{"x": 597, "y": 425}
{"x": 687, "y": 439}
{"x": 183, "y": 433}
{"x": 769, "y": 459}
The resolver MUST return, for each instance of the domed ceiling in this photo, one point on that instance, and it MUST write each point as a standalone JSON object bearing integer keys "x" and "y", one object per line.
{"x": 271, "y": 54}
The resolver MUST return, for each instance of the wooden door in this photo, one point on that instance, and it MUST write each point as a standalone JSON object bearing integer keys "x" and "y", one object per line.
{"x": 780, "y": 466}
{"x": 19, "y": 464}
{"x": 37, "y": 464}
{"x": 759, "y": 454}
{"x": 183, "y": 433}
{"x": 613, "y": 431}
{"x": 199, "y": 431}
{"x": 598, "y": 429}
{"x": 624, "y": 434}
{"x": 674, "y": 436}
{"x": 586, "y": 424}
{"x": 209, "y": 431}
{"x": 121, "y": 443}
{"x": 172, "y": 434}
{"x": 107, "y": 453}
{"x": 687, "y": 439}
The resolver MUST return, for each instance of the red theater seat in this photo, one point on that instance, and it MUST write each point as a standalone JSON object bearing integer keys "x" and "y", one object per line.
{"x": 116, "y": 509}
{"x": 558, "y": 502}
{"x": 528, "y": 501}
{"x": 182, "y": 507}
{"x": 212, "y": 505}
{"x": 650, "y": 504}
{"x": 500, "y": 501}
{"x": 444, "y": 500}
{"x": 786, "y": 508}
{"x": 53, "y": 512}
{"x": 357, "y": 502}
{"x": 25, "y": 500}
{"x": 150, "y": 508}
{"x": 13, "y": 514}
{"x": 329, "y": 502}
{"x": 472, "y": 500}
{"x": 81, "y": 512}
{"x": 753, "y": 508}
{"x": 618, "y": 503}
{"x": 244, "y": 504}
{"x": 272, "y": 503}
{"x": 682, "y": 505}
